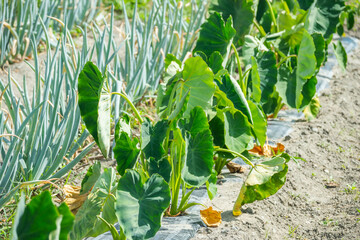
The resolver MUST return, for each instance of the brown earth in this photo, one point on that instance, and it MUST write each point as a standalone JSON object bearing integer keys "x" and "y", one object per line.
{"x": 321, "y": 198}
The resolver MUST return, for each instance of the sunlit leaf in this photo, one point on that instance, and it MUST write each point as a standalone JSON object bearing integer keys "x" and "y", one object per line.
{"x": 140, "y": 207}
{"x": 95, "y": 105}
{"x": 215, "y": 36}
{"x": 340, "y": 54}
{"x": 264, "y": 180}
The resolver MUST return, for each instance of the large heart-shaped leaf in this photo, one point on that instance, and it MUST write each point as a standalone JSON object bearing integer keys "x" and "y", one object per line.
{"x": 199, "y": 149}
{"x": 242, "y": 13}
{"x": 238, "y": 135}
{"x": 216, "y": 35}
{"x": 139, "y": 207}
{"x": 197, "y": 77}
{"x": 95, "y": 105}
{"x": 99, "y": 202}
{"x": 290, "y": 84}
{"x": 125, "y": 151}
{"x": 323, "y": 16}
{"x": 264, "y": 180}
{"x": 152, "y": 138}
{"x": 41, "y": 219}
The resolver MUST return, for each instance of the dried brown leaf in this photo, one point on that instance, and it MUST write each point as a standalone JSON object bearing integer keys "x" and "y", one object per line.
{"x": 268, "y": 150}
{"x": 211, "y": 217}
{"x": 235, "y": 167}
{"x": 73, "y": 198}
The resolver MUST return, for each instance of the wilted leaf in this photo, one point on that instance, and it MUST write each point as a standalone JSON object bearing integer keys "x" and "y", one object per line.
{"x": 264, "y": 180}
{"x": 211, "y": 217}
{"x": 268, "y": 150}
{"x": 312, "y": 110}
{"x": 73, "y": 198}
{"x": 235, "y": 167}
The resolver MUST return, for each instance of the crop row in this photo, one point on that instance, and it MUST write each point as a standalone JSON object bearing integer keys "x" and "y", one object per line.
{"x": 249, "y": 60}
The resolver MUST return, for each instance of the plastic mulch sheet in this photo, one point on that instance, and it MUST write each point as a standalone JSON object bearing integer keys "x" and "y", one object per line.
{"x": 185, "y": 227}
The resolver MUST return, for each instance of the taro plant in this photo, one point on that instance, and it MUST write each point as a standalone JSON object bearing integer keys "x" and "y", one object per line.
{"x": 283, "y": 45}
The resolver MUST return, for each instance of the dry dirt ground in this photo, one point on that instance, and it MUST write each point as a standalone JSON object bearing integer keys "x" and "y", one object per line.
{"x": 321, "y": 198}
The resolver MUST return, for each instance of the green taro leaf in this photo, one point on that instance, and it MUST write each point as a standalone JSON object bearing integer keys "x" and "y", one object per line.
{"x": 266, "y": 65}
{"x": 199, "y": 149}
{"x": 41, "y": 219}
{"x": 67, "y": 221}
{"x": 264, "y": 180}
{"x": 125, "y": 152}
{"x": 249, "y": 49}
{"x": 139, "y": 207}
{"x": 211, "y": 185}
{"x": 323, "y": 17}
{"x": 199, "y": 158}
{"x": 340, "y": 54}
{"x": 290, "y": 84}
{"x": 308, "y": 91}
{"x": 95, "y": 105}
{"x": 233, "y": 92}
{"x": 255, "y": 81}
{"x": 242, "y": 13}
{"x": 217, "y": 127}
{"x": 123, "y": 125}
{"x": 215, "y": 62}
{"x": 238, "y": 135}
{"x": 92, "y": 175}
{"x": 197, "y": 122}
{"x": 197, "y": 77}
{"x": 180, "y": 107}
{"x": 161, "y": 167}
{"x": 320, "y": 50}
{"x": 259, "y": 122}
{"x": 152, "y": 138}
{"x": 215, "y": 35}
{"x": 99, "y": 202}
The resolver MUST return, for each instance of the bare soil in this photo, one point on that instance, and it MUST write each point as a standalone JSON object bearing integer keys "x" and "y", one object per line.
{"x": 321, "y": 198}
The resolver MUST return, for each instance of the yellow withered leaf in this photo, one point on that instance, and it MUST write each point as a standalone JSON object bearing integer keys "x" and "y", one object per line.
{"x": 211, "y": 217}
{"x": 268, "y": 150}
{"x": 73, "y": 198}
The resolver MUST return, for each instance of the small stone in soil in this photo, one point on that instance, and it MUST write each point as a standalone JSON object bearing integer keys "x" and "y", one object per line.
{"x": 248, "y": 210}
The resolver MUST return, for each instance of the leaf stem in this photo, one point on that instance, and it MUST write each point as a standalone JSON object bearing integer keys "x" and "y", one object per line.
{"x": 272, "y": 15}
{"x": 260, "y": 28}
{"x": 218, "y": 149}
{"x": 243, "y": 87}
{"x": 284, "y": 59}
{"x": 123, "y": 95}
